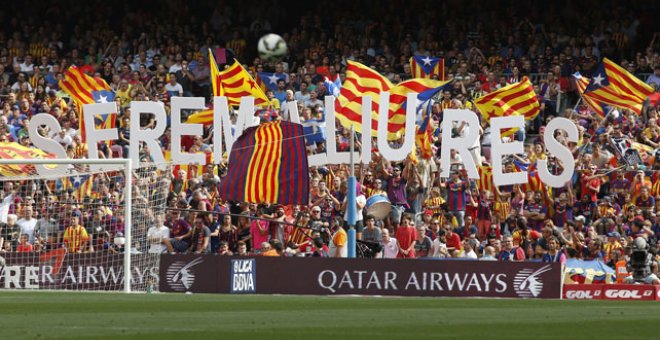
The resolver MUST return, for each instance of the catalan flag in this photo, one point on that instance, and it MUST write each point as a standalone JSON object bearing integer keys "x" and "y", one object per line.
{"x": 423, "y": 135}
{"x": 201, "y": 117}
{"x": 362, "y": 81}
{"x": 427, "y": 67}
{"x": 12, "y": 150}
{"x": 581, "y": 84}
{"x": 215, "y": 75}
{"x": 268, "y": 164}
{"x": 613, "y": 85}
{"x": 268, "y": 80}
{"x": 81, "y": 185}
{"x": 486, "y": 178}
{"x": 512, "y": 100}
{"x": 236, "y": 82}
{"x": 85, "y": 90}
{"x": 534, "y": 182}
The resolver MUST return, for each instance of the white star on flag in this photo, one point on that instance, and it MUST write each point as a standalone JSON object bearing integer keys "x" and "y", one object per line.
{"x": 77, "y": 180}
{"x": 427, "y": 61}
{"x": 273, "y": 79}
{"x": 103, "y": 99}
{"x": 598, "y": 80}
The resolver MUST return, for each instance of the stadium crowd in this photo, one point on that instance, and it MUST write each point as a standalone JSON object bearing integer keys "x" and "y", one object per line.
{"x": 153, "y": 56}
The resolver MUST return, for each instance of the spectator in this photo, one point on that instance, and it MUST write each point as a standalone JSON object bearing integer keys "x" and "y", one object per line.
{"x": 24, "y": 246}
{"x": 390, "y": 245}
{"x": 511, "y": 252}
{"x": 173, "y": 88}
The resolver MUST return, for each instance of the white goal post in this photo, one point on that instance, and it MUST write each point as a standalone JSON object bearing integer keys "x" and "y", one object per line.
{"x": 112, "y": 165}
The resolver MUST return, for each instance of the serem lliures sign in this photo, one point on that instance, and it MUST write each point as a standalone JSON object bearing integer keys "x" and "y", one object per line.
{"x": 222, "y": 123}
{"x": 314, "y": 276}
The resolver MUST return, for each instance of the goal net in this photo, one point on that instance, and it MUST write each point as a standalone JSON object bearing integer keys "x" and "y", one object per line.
{"x": 84, "y": 229}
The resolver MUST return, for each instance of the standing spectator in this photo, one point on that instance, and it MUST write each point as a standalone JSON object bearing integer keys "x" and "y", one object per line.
{"x": 28, "y": 223}
{"x": 406, "y": 235}
{"x": 423, "y": 243}
{"x": 457, "y": 196}
{"x": 339, "y": 242}
{"x": 390, "y": 245}
{"x": 23, "y": 245}
{"x": 199, "y": 240}
{"x": 185, "y": 78}
{"x": 554, "y": 254}
{"x": 360, "y": 202}
{"x": 47, "y": 230}
{"x": 223, "y": 230}
{"x": 202, "y": 77}
{"x": 439, "y": 246}
{"x": 510, "y": 252}
{"x": 156, "y": 234}
{"x": 371, "y": 232}
{"x": 396, "y": 192}
{"x": 259, "y": 229}
{"x": 173, "y": 88}
{"x": 75, "y": 236}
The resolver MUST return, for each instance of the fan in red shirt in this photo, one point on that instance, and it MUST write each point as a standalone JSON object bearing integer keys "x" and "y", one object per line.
{"x": 453, "y": 240}
{"x": 24, "y": 246}
{"x": 406, "y": 235}
{"x": 591, "y": 183}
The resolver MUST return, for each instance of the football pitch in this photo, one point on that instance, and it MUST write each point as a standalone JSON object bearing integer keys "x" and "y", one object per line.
{"x": 48, "y": 315}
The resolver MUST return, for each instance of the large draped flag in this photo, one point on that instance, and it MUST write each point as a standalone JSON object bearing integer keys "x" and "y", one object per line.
{"x": 363, "y": 81}
{"x": 268, "y": 164}
{"x": 88, "y": 90}
{"x": 581, "y": 84}
{"x": 422, "y": 66}
{"x": 268, "y": 80}
{"x": 511, "y": 100}
{"x": 235, "y": 82}
{"x": 12, "y": 150}
{"x": 613, "y": 85}
{"x": 423, "y": 134}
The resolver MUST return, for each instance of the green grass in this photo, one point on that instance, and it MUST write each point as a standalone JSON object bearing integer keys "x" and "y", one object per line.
{"x": 48, "y": 315}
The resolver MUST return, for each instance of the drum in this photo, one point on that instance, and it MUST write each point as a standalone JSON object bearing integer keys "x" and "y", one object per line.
{"x": 379, "y": 206}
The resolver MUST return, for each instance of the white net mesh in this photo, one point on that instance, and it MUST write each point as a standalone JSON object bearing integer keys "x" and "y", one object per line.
{"x": 69, "y": 232}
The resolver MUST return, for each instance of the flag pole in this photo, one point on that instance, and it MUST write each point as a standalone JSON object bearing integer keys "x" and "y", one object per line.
{"x": 351, "y": 198}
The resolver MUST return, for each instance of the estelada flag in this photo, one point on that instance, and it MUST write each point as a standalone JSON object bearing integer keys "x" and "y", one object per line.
{"x": 427, "y": 67}
{"x": 87, "y": 90}
{"x": 268, "y": 164}
{"x": 613, "y": 85}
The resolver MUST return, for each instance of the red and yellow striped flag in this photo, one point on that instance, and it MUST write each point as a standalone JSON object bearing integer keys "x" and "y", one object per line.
{"x": 85, "y": 90}
{"x": 12, "y": 150}
{"x": 486, "y": 178}
{"x": 612, "y": 85}
{"x": 581, "y": 84}
{"x": 512, "y": 100}
{"x": 201, "y": 117}
{"x": 362, "y": 81}
{"x": 215, "y": 75}
{"x": 236, "y": 82}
